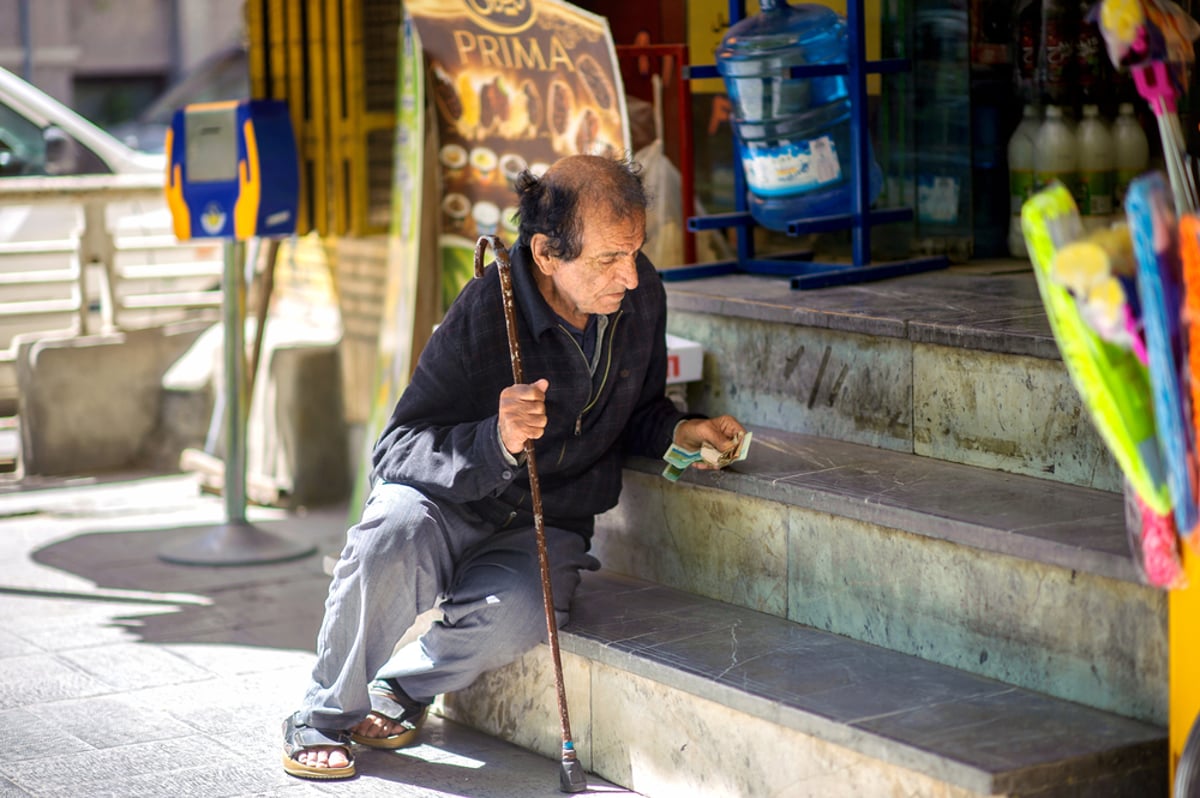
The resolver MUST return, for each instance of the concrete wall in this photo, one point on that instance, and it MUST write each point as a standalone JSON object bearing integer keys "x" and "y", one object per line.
{"x": 93, "y": 37}
{"x": 92, "y": 403}
{"x": 138, "y": 399}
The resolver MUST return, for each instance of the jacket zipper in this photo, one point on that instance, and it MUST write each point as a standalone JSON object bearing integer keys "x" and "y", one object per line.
{"x": 593, "y": 398}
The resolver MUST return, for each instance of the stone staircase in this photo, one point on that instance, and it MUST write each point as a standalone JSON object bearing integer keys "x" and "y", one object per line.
{"x": 919, "y": 582}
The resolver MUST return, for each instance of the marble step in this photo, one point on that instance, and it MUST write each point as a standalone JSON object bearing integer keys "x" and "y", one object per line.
{"x": 673, "y": 694}
{"x": 1014, "y": 578}
{"x": 957, "y": 365}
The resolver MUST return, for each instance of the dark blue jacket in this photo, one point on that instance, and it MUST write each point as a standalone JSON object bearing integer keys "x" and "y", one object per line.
{"x": 442, "y": 437}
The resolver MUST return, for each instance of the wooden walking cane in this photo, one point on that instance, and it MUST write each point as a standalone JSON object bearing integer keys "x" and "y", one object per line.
{"x": 571, "y": 775}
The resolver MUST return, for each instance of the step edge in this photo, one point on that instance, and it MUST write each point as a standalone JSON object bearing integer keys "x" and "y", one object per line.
{"x": 767, "y": 486}
{"x": 915, "y": 522}
{"x": 1028, "y": 343}
{"x": 851, "y": 735}
{"x": 862, "y": 741}
{"x": 765, "y": 311}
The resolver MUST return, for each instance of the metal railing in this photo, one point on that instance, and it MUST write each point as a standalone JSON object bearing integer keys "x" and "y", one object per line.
{"x": 97, "y": 285}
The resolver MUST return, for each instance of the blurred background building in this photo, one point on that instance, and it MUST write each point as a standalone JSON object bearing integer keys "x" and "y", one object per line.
{"x": 109, "y": 59}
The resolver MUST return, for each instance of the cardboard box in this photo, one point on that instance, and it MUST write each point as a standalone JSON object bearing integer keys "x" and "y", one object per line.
{"x": 685, "y": 360}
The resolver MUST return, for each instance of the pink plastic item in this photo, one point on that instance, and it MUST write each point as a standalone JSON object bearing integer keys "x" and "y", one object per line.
{"x": 1155, "y": 85}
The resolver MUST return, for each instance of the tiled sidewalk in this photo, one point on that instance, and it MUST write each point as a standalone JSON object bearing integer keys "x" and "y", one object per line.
{"x": 123, "y": 675}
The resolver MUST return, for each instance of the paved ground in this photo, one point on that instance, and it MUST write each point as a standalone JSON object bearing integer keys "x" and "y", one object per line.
{"x": 124, "y": 675}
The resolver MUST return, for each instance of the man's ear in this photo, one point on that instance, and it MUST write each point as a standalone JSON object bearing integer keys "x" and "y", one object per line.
{"x": 539, "y": 245}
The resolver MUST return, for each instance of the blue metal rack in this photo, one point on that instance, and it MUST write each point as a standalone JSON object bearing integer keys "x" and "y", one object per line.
{"x": 804, "y": 271}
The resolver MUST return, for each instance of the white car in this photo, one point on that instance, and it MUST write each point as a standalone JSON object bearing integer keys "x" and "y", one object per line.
{"x": 39, "y": 136}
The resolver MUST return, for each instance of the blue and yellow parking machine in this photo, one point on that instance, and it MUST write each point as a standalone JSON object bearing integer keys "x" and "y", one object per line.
{"x": 232, "y": 170}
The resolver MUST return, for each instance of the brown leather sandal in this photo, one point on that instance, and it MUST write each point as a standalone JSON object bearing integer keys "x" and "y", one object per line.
{"x": 300, "y": 737}
{"x": 391, "y": 703}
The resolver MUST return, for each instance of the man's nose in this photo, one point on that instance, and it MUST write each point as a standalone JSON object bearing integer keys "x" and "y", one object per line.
{"x": 627, "y": 274}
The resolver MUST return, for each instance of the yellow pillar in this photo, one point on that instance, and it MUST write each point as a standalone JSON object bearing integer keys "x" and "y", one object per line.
{"x": 1184, "y": 640}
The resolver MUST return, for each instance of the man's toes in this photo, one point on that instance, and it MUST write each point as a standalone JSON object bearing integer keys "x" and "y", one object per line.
{"x": 324, "y": 758}
{"x": 373, "y": 726}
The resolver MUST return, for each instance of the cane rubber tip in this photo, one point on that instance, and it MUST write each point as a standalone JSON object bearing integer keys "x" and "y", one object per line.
{"x": 572, "y": 778}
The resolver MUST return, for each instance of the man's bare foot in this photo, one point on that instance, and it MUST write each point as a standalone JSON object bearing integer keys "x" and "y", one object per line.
{"x": 378, "y": 730}
{"x": 324, "y": 757}
{"x": 313, "y": 753}
{"x": 377, "y": 727}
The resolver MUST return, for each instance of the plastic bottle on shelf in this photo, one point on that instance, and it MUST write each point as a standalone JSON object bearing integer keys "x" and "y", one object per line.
{"x": 1094, "y": 74}
{"x": 1027, "y": 29}
{"x": 1055, "y": 153}
{"x": 1132, "y": 151}
{"x": 1056, "y": 58}
{"x": 1020, "y": 176}
{"x": 793, "y": 134}
{"x": 1097, "y": 170}
{"x": 943, "y": 133}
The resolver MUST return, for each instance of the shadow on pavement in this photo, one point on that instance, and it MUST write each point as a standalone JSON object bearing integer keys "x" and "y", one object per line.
{"x": 277, "y": 605}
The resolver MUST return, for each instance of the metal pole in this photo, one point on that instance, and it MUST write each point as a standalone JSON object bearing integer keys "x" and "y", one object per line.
{"x": 23, "y": 17}
{"x": 235, "y": 542}
{"x": 175, "y": 39}
{"x": 232, "y": 316}
{"x": 860, "y": 155}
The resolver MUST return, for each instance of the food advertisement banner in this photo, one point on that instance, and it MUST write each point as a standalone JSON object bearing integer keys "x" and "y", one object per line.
{"x": 396, "y": 353}
{"x": 516, "y": 84}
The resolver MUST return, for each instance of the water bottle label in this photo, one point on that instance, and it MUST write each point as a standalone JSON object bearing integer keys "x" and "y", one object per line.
{"x": 1020, "y": 188}
{"x": 937, "y": 199}
{"x": 1068, "y": 179}
{"x": 785, "y": 167}
{"x": 1096, "y": 193}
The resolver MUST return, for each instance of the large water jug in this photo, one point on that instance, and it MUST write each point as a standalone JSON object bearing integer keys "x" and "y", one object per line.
{"x": 793, "y": 134}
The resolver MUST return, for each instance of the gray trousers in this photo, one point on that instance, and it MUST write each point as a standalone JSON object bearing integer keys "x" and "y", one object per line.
{"x": 409, "y": 554}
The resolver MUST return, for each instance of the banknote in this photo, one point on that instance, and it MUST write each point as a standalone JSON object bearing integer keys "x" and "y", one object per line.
{"x": 735, "y": 453}
{"x": 673, "y": 473}
{"x": 680, "y": 459}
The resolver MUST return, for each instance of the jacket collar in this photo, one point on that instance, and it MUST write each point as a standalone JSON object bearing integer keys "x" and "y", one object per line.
{"x": 534, "y": 308}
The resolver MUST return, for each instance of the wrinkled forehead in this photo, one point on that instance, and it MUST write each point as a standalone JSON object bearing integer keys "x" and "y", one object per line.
{"x": 597, "y": 213}
{"x": 613, "y": 229}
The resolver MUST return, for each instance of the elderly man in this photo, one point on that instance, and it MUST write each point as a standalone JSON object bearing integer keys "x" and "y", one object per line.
{"x": 448, "y": 523}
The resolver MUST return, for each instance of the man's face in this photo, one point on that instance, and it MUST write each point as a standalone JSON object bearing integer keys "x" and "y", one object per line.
{"x": 606, "y": 268}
